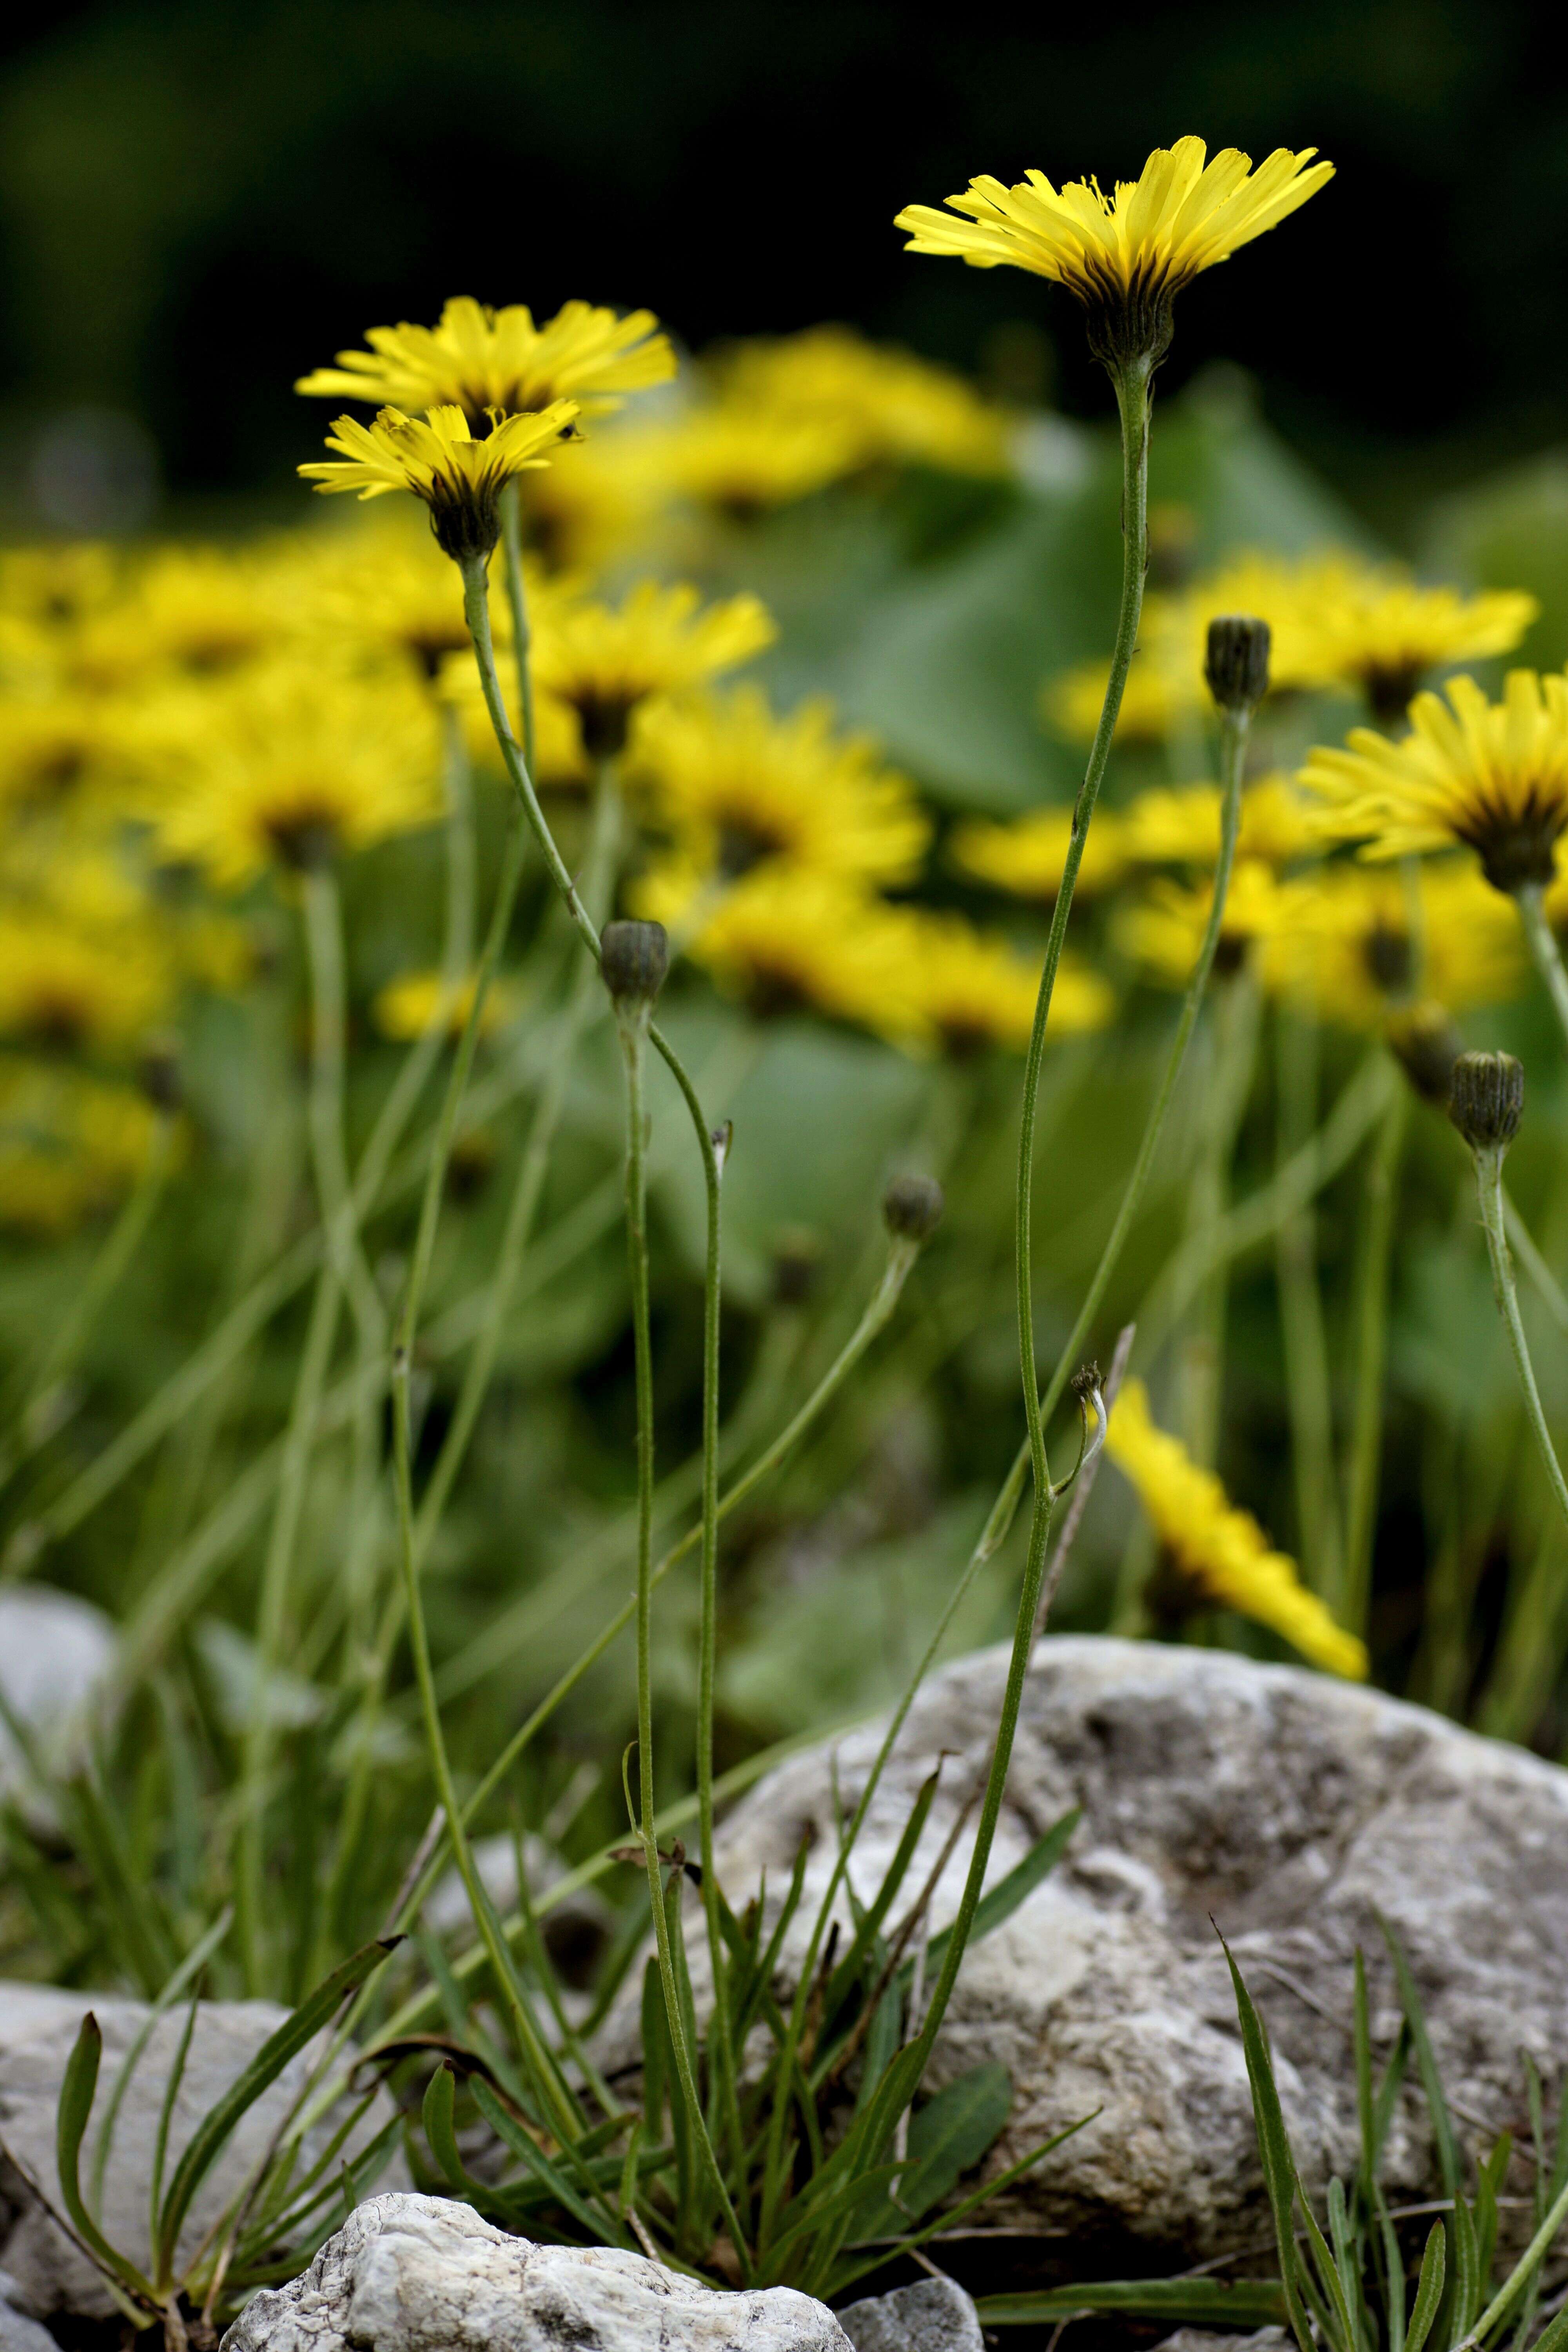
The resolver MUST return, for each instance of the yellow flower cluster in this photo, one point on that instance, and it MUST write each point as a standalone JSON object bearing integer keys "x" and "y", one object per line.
{"x": 1219, "y": 1553}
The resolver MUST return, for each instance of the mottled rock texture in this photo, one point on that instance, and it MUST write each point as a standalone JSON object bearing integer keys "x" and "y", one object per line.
{"x": 935, "y": 2315}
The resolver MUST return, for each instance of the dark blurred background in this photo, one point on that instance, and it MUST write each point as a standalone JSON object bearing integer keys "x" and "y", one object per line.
{"x": 199, "y": 201}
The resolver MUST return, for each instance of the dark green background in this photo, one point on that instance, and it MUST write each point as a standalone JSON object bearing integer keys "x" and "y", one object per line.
{"x": 198, "y": 200}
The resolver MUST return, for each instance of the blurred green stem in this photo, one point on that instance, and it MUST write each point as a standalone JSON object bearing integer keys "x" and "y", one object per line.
{"x": 1543, "y": 947}
{"x": 1309, "y": 1395}
{"x": 517, "y": 600}
{"x": 1369, "y": 1320}
{"x": 1235, "y": 1009}
{"x": 1488, "y": 1191}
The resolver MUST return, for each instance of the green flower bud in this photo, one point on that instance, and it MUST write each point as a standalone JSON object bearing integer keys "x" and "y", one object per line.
{"x": 1485, "y": 1100}
{"x": 1236, "y": 668}
{"x": 634, "y": 958}
{"x": 912, "y": 1207}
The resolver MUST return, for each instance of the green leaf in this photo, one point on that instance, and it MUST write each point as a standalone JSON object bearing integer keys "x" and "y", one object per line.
{"x": 77, "y": 2090}
{"x": 506, "y": 2127}
{"x": 439, "y": 2107}
{"x": 851, "y": 1967}
{"x": 1274, "y": 2148}
{"x": 948, "y": 2137}
{"x": 1197, "y": 2303}
{"x": 1428, "y": 2288}
{"x": 213, "y": 2133}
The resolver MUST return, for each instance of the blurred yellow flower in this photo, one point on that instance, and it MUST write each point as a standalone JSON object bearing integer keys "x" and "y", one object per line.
{"x": 785, "y": 939}
{"x": 891, "y": 408}
{"x": 70, "y": 1145}
{"x": 436, "y": 458}
{"x": 1163, "y": 930}
{"x": 1124, "y": 255}
{"x": 560, "y": 762}
{"x": 741, "y": 461}
{"x": 70, "y": 990}
{"x": 388, "y": 589}
{"x": 476, "y": 358}
{"x": 57, "y": 586}
{"x": 1026, "y": 857}
{"x": 61, "y": 755}
{"x": 605, "y": 660}
{"x": 1382, "y": 632}
{"x": 411, "y": 1004}
{"x": 293, "y": 765}
{"x": 1181, "y": 826}
{"x": 197, "y": 610}
{"x": 733, "y": 784}
{"x": 970, "y": 989}
{"x": 1221, "y": 1553}
{"x": 1343, "y": 943}
{"x": 1151, "y": 707}
{"x": 1492, "y": 775}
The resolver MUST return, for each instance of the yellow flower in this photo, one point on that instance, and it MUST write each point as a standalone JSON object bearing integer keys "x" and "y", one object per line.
{"x": 741, "y": 461}
{"x": 560, "y": 762}
{"x": 457, "y": 477}
{"x": 1124, "y": 255}
{"x": 408, "y": 1006}
{"x": 58, "y": 587}
{"x": 389, "y": 589}
{"x": 971, "y": 989}
{"x": 293, "y": 765}
{"x": 605, "y": 660}
{"x": 1218, "y": 1551}
{"x": 60, "y": 755}
{"x": 1151, "y": 706}
{"x": 785, "y": 939}
{"x": 69, "y": 1145}
{"x": 1164, "y": 930}
{"x": 600, "y": 500}
{"x": 1381, "y": 632}
{"x": 1026, "y": 857}
{"x": 66, "y": 988}
{"x": 1492, "y": 775}
{"x": 731, "y": 785}
{"x": 892, "y": 408}
{"x": 1343, "y": 943}
{"x": 1181, "y": 826}
{"x": 197, "y": 610}
{"x": 479, "y": 359}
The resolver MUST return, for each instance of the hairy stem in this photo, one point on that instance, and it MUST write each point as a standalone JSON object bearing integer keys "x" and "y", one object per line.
{"x": 1308, "y": 1393}
{"x": 1543, "y": 947}
{"x": 1488, "y": 1191}
{"x": 1371, "y": 1325}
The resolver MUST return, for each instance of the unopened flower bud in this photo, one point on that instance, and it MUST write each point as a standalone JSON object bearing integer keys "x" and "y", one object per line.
{"x": 1426, "y": 1045}
{"x": 1485, "y": 1100}
{"x": 912, "y": 1207}
{"x": 634, "y": 958}
{"x": 1236, "y": 667}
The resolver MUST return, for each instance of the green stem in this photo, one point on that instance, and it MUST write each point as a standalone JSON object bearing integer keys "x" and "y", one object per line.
{"x": 1370, "y": 1323}
{"x": 1234, "y": 1014}
{"x": 517, "y": 599}
{"x": 1543, "y": 947}
{"x": 1489, "y": 1190}
{"x": 1309, "y": 1396}
{"x": 633, "y": 1026}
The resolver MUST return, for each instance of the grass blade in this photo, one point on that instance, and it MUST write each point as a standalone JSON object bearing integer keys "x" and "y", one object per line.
{"x": 1274, "y": 2148}
{"x": 1428, "y": 2288}
{"x": 77, "y": 2090}
{"x": 1184, "y": 2303}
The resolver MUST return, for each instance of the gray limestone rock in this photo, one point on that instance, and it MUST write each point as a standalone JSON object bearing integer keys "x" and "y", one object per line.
{"x": 38, "y": 2026}
{"x": 55, "y": 1652}
{"x": 20, "y": 2331}
{"x": 1284, "y": 1808}
{"x": 419, "y": 2275}
{"x": 935, "y": 2315}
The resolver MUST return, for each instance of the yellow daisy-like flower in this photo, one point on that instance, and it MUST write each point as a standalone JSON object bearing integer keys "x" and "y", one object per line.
{"x": 65, "y": 988}
{"x": 70, "y": 1145}
{"x": 733, "y": 784}
{"x": 601, "y": 499}
{"x": 1026, "y": 857}
{"x": 1218, "y": 1551}
{"x": 1492, "y": 775}
{"x": 741, "y": 461}
{"x": 481, "y": 360}
{"x": 387, "y": 588}
{"x": 294, "y": 766}
{"x": 200, "y": 612}
{"x": 410, "y": 1006}
{"x": 1151, "y": 707}
{"x": 1164, "y": 930}
{"x": 457, "y": 477}
{"x": 895, "y": 409}
{"x": 560, "y": 762}
{"x": 56, "y": 587}
{"x": 971, "y": 989}
{"x": 1343, "y": 943}
{"x": 1181, "y": 826}
{"x": 785, "y": 939}
{"x": 1123, "y": 257}
{"x": 605, "y": 660}
{"x": 1382, "y": 632}
{"x": 61, "y": 755}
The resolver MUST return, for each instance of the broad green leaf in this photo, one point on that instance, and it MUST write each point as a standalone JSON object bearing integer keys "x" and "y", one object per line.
{"x": 1428, "y": 2288}
{"x": 1192, "y": 2303}
{"x": 77, "y": 2090}
{"x": 948, "y": 2137}
{"x": 440, "y": 2106}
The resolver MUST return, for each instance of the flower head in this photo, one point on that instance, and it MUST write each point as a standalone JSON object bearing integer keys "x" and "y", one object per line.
{"x": 70, "y": 1145}
{"x": 605, "y": 660}
{"x": 1382, "y": 632}
{"x": 786, "y": 940}
{"x": 1180, "y": 825}
{"x": 1026, "y": 857}
{"x": 483, "y": 360}
{"x": 1345, "y": 943}
{"x": 1219, "y": 1554}
{"x": 458, "y": 478}
{"x": 1492, "y": 775}
{"x": 70, "y": 988}
{"x": 731, "y": 784}
{"x": 741, "y": 461}
{"x": 1164, "y": 930}
{"x": 1124, "y": 257}
{"x": 888, "y": 407}
{"x": 410, "y": 1006}
{"x": 970, "y": 990}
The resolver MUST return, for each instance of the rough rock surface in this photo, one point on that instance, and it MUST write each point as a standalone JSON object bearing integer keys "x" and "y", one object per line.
{"x": 935, "y": 2315}
{"x": 54, "y": 1652}
{"x": 20, "y": 2331}
{"x": 39, "y": 2027}
{"x": 417, "y": 2274}
{"x": 1289, "y": 1809}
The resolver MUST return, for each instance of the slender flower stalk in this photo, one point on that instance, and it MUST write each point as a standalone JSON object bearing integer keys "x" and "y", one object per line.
{"x": 1309, "y": 1396}
{"x": 1370, "y": 1320}
{"x": 1486, "y": 1105}
{"x": 517, "y": 600}
{"x": 1202, "y": 1371}
{"x": 1543, "y": 947}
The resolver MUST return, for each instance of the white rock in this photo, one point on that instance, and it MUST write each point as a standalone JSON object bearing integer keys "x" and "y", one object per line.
{"x": 38, "y": 2026}
{"x": 575, "y": 1930}
{"x": 419, "y": 2275}
{"x": 1289, "y": 1809}
{"x": 55, "y": 1655}
{"x": 935, "y": 2315}
{"x": 20, "y": 2331}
